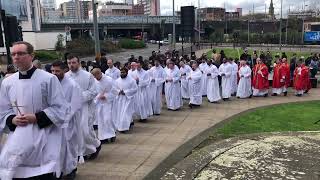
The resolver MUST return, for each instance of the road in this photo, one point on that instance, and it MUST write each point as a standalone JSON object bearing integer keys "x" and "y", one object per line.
{"x": 124, "y": 55}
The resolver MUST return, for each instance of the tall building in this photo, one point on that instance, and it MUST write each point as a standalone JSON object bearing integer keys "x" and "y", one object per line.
{"x": 48, "y": 4}
{"x": 76, "y": 9}
{"x": 130, "y": 2}
{"x": 151, "y": 7}
{"x": 69, "y": 9}
{"x": 239, "y": 10}
{"x": 212, "y": 14}
{"x": 84, "y": 8}
{"x": 137, "y": 9}
{"x": 112, "y": 9}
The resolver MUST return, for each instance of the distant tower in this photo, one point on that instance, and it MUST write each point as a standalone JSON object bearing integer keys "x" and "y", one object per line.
{"x": 271, "y": 10}
{"x": 130, "y": 2}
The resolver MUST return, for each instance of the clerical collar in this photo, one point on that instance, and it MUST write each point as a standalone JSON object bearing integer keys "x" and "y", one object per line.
{"x": 27, "y": 74}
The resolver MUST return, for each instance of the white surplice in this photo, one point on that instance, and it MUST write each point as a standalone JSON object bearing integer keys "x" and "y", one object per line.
{"x": 173, "y": 89}
{"x": 203, "y": 67}
{"x": 185, "y": 71}
{"x": 104, "y": 108}
{"x": 88, "y": 140}
{"x": 226, "y": 88}
{"x": 114, "y": 73}
{"x": 142, "y": 98}
{"x": 213, "y": 90}
{"x": 70, "y": 135}
{"x": 159, "y": 75}
{"x": 234, "y": 77}
{"x": 195, "y": 85}
{"x": 30, "y": 151}
{"x": 244, "y": 87}
{"x": 123, "y": 106}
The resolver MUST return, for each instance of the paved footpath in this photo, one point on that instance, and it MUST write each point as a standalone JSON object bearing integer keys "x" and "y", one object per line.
{"x": 135, "y": 154}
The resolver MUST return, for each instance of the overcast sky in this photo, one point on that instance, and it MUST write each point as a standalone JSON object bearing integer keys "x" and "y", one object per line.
{"x": 231, "y": 5}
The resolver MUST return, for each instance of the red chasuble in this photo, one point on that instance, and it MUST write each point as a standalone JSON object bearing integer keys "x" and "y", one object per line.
{"x": 301, "y": 78}
{"x": 260, "y": 81}
{"x": 277, "y": 76}
{"x": 286, "y": 73}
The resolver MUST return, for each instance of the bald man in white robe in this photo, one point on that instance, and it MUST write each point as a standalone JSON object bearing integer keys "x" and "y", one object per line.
{"x": 104, "y": 104}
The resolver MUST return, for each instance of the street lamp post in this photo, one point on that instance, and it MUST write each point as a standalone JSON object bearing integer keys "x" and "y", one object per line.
{"x": 280, "y": 27}
{"x": 249, "y": 28}
{"x": 96, "y": 29}
{"x": 199, "y": 21}
{"x": 173, "y": 27}
{"x": 303, "y": 16}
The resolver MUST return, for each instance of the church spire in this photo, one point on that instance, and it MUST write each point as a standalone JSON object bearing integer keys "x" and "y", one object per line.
{"x": 271, "y": 10}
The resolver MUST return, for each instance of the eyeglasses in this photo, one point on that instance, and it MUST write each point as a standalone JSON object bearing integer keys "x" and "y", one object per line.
{"x": 19, "y": 53}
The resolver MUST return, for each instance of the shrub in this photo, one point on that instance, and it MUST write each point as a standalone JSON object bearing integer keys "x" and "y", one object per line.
{"x": 131, "y": 44}
{"x": 81, "y": 47}
{"x": 44, "y": 55}
{"x": 59, "y": 44}
{"x": 108, "y": 47}
{"x": 86, "y": 47}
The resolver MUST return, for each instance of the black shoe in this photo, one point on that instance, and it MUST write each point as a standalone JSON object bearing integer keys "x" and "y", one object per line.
{"x": 190, "y": 106}
{"x": 306, "y": 92}
{"x": 132, "y": 124}
{"x": 71, "y": 176}
{"x": 274, "y": 94}
{"x": 143, "y": 120}
{"x": 123, "y": 132}
{"x": 285, "y": 93}
{"x": 157, "y": 114}
{"x": 266, "y": 95}
{"x": 95, "y": 127}
{"x": 105, "y": 141}
{"x": 238, "y": 97}
{"x": 250, "y": 96}
{"x": 113, "y": 139}
{"x": 299, "y": 95}
{"x": 95, "y": 155}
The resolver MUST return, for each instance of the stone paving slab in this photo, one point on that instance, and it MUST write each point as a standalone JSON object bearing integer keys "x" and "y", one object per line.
{"x": 147, "y": 146}
{"x": 272, "y": 156}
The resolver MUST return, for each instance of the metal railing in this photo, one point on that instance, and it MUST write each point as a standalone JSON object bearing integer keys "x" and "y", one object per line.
{"x": 115, "y": 20}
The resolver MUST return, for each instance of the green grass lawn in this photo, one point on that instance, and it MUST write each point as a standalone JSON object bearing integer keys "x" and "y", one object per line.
{"x": 236, "y": 53}
{"x": 278, "y": 118}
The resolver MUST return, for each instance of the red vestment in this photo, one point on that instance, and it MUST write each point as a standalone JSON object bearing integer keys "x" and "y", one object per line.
{"x": 277, "y": 81}
{"x": 286, "y": 74}
{"x": 260, "y": 81}
{"x": 301, "y": 78}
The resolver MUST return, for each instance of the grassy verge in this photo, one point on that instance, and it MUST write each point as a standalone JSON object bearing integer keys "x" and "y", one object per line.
{"x": 278, "y": 118}
{"x": 233, "y": 53}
